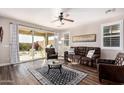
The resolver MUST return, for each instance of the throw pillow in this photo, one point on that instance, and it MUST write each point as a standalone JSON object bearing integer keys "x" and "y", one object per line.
{"x": 71, "y": 51}
{"x": 90, "y": 53}
{"x": 119, "y": 61}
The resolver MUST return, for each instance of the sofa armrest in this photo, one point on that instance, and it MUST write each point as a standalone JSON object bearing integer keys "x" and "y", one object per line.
{"x": 66, "y": 52}
{"x": 106, "y": 61}
{"x": 111, "y": 72}
{"x": 96, "y": 56}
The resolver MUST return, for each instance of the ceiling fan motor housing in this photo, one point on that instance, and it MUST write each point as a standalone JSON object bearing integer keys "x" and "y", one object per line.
{"x": 61, "y": 16}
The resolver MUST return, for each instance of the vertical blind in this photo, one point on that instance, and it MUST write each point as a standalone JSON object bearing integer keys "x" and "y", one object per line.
{"x": 14, "y": 49}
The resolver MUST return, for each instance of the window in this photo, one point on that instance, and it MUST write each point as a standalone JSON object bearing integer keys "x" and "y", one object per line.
{"x": 66, "y": 39}
{"x": 112, "y": 35}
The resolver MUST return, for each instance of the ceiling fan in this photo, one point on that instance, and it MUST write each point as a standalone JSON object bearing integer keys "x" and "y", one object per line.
{"x": 110, "y": 10}
{"x": 61, "y": 18}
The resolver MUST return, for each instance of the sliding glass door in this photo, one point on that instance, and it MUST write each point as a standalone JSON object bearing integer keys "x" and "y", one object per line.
{"x": 32, "y": 43}
{"x": 39, "y": 44}
{"x": 25, "y": 45}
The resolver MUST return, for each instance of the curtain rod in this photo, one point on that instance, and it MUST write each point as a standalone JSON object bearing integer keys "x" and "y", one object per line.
{"x": 32, "y": 27}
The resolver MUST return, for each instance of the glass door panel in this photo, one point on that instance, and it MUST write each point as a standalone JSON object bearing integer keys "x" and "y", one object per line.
{"x": 25, "y": 45}
{"x": 51, "y": 40}
{"x": 39, "y": 44}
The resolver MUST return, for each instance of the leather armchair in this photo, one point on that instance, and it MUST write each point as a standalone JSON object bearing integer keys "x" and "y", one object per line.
{"x": 51, "y": 54}
{"x": 112, "y": 70}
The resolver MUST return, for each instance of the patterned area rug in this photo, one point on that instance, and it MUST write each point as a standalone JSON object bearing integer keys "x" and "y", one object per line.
{"x": 54, "y": 77}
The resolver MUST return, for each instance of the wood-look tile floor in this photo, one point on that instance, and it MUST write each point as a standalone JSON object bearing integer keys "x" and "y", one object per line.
{"x": 19, "y": 74}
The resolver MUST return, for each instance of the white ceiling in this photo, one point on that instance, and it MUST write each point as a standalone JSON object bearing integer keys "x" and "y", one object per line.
{"x": 44, "y": 16}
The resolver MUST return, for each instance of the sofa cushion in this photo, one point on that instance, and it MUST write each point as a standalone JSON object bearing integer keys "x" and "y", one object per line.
{"x": 76, "y": 50}
{"x": 86, "y": 59}
{"x": 77, "y": 57}
{"x": 81, "y": 51}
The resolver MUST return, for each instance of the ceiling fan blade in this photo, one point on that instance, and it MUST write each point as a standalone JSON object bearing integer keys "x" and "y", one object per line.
{"x": 68, "y": 20}
{"x": 54, "y": 20}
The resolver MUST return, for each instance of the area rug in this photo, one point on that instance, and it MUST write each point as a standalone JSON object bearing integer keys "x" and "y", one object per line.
{"x": 54, "y": 77}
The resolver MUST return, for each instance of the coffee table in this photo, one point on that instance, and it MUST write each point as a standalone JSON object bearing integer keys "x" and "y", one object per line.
{"x": 54, "y": 64}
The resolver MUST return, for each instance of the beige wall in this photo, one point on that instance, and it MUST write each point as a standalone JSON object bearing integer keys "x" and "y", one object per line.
{"x": 93, "y": 28}
{"x": 4, "y": 46}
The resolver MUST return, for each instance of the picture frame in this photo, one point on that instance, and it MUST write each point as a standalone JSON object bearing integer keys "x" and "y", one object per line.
{"x": 84, "y": 38}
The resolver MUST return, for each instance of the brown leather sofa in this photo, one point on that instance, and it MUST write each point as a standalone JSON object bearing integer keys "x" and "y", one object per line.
{"x": 81, "y": 52}
{"x": 51, "y": 54}
{"x": 112, "y": 70}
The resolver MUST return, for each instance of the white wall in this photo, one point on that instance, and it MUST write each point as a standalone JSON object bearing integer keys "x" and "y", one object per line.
{"x": 5, "y": 45}
{"x": 93, "y": 28}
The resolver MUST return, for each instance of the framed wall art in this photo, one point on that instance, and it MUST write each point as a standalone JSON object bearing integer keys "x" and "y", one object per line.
{"x": 84, "y": 38}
